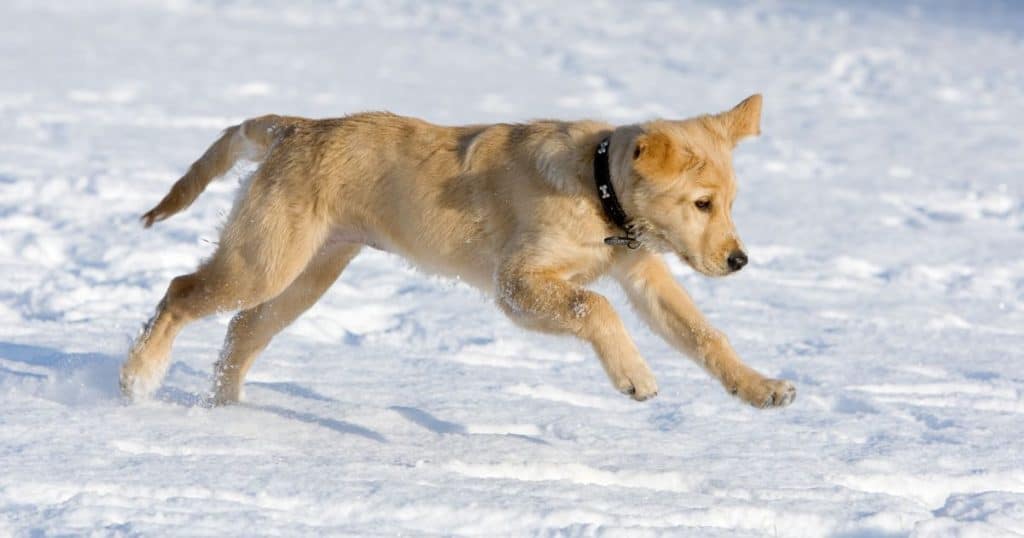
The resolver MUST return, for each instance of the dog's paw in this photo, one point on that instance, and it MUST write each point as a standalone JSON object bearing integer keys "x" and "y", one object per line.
{"x": 133, "y": 386}
{"x": 765, "y": 393}
{"x": 637, "y": 382}
{"x": 138, "y": 380}
{"x": 225, "y": 393}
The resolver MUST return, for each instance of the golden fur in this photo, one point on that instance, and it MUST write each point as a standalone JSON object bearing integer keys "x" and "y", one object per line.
{"x": 509, "y": 208}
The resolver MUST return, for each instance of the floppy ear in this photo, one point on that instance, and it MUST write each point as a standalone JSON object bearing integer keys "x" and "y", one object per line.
{"x": 743, "y": 120}
{"x": 656, "y": 155}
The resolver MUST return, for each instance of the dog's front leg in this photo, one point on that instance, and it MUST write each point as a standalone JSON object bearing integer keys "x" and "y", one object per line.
{"x": 671, "y": 313}
{"x": 542, "y": 300}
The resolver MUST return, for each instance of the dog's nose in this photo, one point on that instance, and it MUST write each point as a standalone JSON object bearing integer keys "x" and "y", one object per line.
{"x": 737, "y": 259}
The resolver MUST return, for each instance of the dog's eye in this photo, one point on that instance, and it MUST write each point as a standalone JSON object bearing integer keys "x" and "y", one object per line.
{"x": 703, "y": 204}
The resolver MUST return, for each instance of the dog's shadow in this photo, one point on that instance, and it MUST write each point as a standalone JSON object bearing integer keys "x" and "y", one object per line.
{"x": 336, "y": 425}
{"x": 184, "y": 398}
{"x": 439, "y": 426}
{"x": 52, "y": 374}
{"x": 85, "y": 379}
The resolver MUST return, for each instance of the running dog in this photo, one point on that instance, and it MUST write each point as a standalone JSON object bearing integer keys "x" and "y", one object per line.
{"x": 529, "y": 213}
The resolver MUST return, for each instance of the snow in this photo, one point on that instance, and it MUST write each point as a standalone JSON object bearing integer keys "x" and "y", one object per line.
{"x": 883, "y": 209}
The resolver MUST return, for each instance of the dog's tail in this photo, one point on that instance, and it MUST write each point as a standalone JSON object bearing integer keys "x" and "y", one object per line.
{"x": 250, "y": 139}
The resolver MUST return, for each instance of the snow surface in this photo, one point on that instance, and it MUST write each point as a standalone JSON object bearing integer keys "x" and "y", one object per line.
{"x": 882, "y": 208}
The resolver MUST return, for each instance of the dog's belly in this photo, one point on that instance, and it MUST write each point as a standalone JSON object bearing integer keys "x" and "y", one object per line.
{"x": 467, "y": 263}
{"x": 341, "y": 237}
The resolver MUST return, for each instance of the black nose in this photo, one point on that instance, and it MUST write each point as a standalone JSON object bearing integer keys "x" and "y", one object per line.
{"x": 737, "y": 260}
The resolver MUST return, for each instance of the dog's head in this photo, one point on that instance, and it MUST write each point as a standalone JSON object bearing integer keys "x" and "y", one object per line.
{"x": 681, "y": 184}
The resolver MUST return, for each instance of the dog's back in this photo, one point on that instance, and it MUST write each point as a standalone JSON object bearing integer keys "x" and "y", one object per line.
{"x": 448, "y": 198}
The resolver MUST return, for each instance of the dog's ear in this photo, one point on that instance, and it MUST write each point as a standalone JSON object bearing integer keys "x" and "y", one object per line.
{"x": 743, "y": 120}
{"x": 656, "y": 155}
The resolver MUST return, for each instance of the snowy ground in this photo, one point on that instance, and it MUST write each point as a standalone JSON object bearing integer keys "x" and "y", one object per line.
{"x": 882, "y": 208}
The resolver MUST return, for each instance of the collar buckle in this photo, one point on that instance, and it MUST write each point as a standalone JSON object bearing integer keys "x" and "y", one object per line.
{"x": 632, "y": 243}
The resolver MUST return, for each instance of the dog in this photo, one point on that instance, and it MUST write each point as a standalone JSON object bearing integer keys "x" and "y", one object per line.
{"x": 529, "y": 213}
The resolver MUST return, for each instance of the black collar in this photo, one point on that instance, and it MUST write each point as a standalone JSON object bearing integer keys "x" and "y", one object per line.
{"x": 606, "y": 193}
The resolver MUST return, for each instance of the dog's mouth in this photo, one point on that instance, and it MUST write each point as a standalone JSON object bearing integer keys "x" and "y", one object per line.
{"x": 653, "y": 238}
{"x": 656, "y": 240}
{"x": 696, "y": 266}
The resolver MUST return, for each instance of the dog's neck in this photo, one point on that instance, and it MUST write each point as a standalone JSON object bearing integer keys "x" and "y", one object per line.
{"x": 613, "y": 210}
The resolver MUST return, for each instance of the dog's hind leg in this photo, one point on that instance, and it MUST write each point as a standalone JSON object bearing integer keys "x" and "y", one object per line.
{"x": 251, "y": 330}
{"x": 261, "y": 251}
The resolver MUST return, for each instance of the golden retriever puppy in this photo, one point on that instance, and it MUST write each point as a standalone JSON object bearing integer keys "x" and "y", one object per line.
{"x": 529, "y": 213}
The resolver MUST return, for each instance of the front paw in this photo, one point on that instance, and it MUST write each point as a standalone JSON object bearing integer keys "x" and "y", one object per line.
{"x": 764, "y": 393}
{"x": 637, "y": 382}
